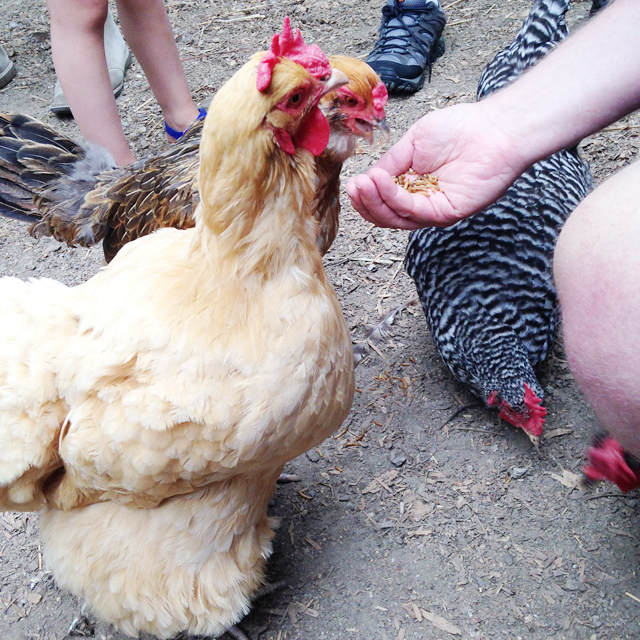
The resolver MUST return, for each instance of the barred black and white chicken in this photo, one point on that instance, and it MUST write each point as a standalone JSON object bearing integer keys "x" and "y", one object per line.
{"x": 486, "y": 283}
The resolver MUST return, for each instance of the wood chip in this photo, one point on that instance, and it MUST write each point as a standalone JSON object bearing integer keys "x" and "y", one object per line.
{"x": 315, "y": 545}
{"x": 554, "y": 433}
{"x": 441, "y": 623}
{"x": 373, "y": 487}
{"x": 420, "y": 510}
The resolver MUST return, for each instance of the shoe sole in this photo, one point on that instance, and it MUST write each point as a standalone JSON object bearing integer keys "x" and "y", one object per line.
{"x": 64, "y": 110}
{"x": 8, "y": 75}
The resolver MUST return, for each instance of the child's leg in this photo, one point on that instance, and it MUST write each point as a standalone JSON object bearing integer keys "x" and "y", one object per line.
{"x": 77, "y": 45}
{"x": 147, "y": 29}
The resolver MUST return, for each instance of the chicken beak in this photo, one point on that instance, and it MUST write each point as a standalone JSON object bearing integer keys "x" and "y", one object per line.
{"x": 384, "y": 129}
{"x": 337, "y": 80}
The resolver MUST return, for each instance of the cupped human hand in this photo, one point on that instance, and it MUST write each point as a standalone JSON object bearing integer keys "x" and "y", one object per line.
{"x": 472, "y": 152}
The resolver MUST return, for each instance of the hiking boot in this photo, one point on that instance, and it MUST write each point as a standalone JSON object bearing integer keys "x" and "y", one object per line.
{"x": 596, "y": 6}
{"x": 408, "y": 43}
{"x": 7, "y": 69}
{"x": 118, "y": 61}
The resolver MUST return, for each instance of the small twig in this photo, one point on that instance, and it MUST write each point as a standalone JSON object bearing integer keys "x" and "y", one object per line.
{"x": 612, "y": 495}
{"x": 373, "y": 522}
{"x": 393, "y": 277}
{"x": 623, "y": 127}
{"x": 373, "y": 346}
{"x": 458, "y": 412}
{"x": 491, "y": 433}
{"x": 255, "y": 16}
{"x": 213, "y": 52}
{"x": 144, "y": 104}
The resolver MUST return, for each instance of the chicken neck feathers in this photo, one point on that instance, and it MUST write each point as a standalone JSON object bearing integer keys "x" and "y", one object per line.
{"x": 486, "y": 283}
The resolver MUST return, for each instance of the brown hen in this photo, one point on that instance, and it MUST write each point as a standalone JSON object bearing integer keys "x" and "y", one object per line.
{"x": 77, "y": 195}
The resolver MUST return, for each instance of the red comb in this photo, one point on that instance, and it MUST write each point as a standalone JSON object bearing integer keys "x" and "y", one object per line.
{"x": 607, "y": 462}
{"x": 531, "y": 421}
{"x": 380, "y": 97}
{"x": 292, "y": 46}
{"x": 538, "y": 412}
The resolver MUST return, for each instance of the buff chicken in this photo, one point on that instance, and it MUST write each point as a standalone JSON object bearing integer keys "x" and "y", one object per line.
{"x": 149, "y": 411}
{"x": 77, "y": 195}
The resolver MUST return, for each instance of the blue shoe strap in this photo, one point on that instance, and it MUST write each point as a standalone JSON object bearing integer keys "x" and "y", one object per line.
{"x": 202, "y": 112}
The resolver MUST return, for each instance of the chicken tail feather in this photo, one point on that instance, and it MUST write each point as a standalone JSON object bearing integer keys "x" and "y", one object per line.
{"x": 46, "y": 179}
{"x": 379, "y": 333}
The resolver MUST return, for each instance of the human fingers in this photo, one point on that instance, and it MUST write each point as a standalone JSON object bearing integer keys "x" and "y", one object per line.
{"x": 367, "y": 201}
{"x": 390, "y": 203}
{"x": 399, "y": 158}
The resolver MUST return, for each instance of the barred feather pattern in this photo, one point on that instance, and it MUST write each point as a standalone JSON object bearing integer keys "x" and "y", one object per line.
{"x": 542, "y": 30}
{"x": 486, "y": 283}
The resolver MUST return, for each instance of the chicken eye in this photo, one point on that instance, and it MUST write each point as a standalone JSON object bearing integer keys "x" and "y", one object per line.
{"x": 351, "y": 101}
{"x": 295, "y": 99}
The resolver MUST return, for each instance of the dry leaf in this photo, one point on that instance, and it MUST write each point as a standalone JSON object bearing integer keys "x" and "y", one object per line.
{"x": 441, "y": 623}
{"x": 568, "y": 479}
{"x": 373, "y": 487}
{"x": 420, "y": 510}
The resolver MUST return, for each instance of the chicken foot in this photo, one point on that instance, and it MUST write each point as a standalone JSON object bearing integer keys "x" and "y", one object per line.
{"x": 236, "y": 631}
{"x": 81, "y": 627}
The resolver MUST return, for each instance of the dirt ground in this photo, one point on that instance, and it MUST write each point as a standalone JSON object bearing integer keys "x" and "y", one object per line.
{"x": 427, "y": 517}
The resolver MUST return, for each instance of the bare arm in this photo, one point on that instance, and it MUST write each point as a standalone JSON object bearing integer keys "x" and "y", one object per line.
{"x": 478, "y": 150}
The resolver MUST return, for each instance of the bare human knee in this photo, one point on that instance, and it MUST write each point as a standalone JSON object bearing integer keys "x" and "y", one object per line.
{"x": 72, "y": 16}
{"x": 597, "y": 270}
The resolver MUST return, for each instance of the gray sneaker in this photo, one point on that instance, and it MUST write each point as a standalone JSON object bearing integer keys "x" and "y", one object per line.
{"x": 7, "y": 69}
{"x": 118, "y": 61}
{"x": 408, "y": 43}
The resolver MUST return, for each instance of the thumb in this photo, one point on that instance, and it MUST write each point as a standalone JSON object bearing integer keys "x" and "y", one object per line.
{"x": 399, "y": 158}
